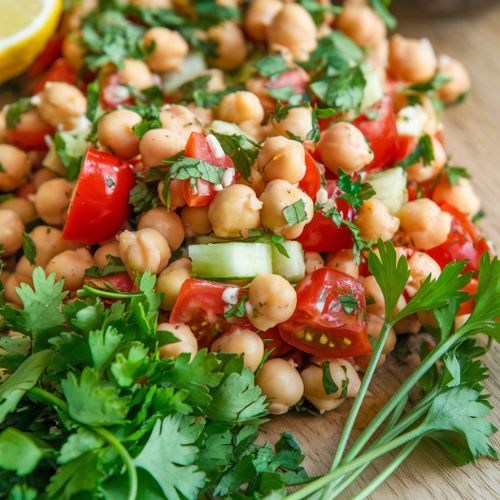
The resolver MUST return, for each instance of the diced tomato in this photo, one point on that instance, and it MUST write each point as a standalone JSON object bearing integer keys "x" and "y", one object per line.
{"x": 471, "y": 289}
{"x": 311, "y": 181}
{"x": 204, "y": 192}
{"x": 110, "y": 92}
{"x": 322, "y": 234}
{"x": 274, "y": 343}
{"x": 380, "y": 132}
{"x": 296, "y": 78}
{"x": 30, "y": 133}
{"x": 50, "y": 53}
{"x": 119, "y": 281}
{"x": 59, "y": 72}
{"x": 201, "y": 307}
{"x": 99, "y": 207}
{"x": 321, "y": 325}
{"x": 464, "y": 242}
{"x": 405, "y": 145}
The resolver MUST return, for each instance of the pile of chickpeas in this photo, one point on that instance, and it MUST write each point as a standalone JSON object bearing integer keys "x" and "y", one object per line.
{"x": 285, "y": 27}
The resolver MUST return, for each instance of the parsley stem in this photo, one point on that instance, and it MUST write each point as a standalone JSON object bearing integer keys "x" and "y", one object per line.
{"x": 358, "y": 401}
{"x": 398, "y": 460}
{"x": 366, "y": 458}
{"x": 88, "y": 290}
{"x": 125, "y": 456}
{"x": 41, "y": 395}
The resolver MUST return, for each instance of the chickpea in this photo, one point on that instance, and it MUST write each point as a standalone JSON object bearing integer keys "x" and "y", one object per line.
{"x": 412, "y": 60}
{"x": 144, "y": 250}
{"x": 423, "y": 224}
{"x": 254, "y": 130}
{"x": 169, "y": 50}
{"x": 42, "y": 175}
{"x": 292, "y": 27}
{"x": 343, "y": 375}
{"x": 460, "y": 320}
{"x": 171, "y": 279}
{"x": 258, "y": 18}
{"x": 461, "y": 195}
{"x": 271, "y": 300}
{"x": 158, "y": 144}
{"x": 187, "y": 341}
{"x": 196, "y": 221}
{"x": 313, "y": 261}
{"x": 48, "y": 242}
{"x": 459, "y": 83}
{"x": 11, "y": 231}
{"x": 70, "y": 265}
{"x": 176, "y": 200}
{"x": 344, "y": 261}
{"x": 410, "y": 324}
{"x": 242, "y": 341}
{"x": 203, "y": 115}
{"x": 216, "y": 82}
{"x": 166, "y": 222}
{"x": 420, "y": 173}
{"x": 137, "y": 74}
{"x": 374, "y": 325}
{"x": 282, "y": 158}
{"x": 231, "y": 46}
{"x": 255, "y": 181}
{"x": 375, "y": 221}
{"x": 180, "y": 119}
{"x": 23, "y": 207}
{"x": 344, "y": 146}
{"x": 102, "y": 254}
{"x": 62, "y": 104}
{"x": 234, "y": 211}
{"x": 280, "y": 382}
{"x": 11, "y": 284}
{"x": 421, "y": 266}
{"x": 52, "y": 201}
{"x": 73, "y": 50}
{"x": 115, "y": 132}
{"x": 152, "y": 4}
{"x": 74, "y": 16}
{"x": 298, "y": 121}
{"x": 278, "y": 195}
{"x": 15, "y": 167}
{"x": 363, "y": 361}
{"x": 379, "y": 58}
{"x": 362, "y": 24}
{"x": 241, "y": 106}
{"x": 24, "y": 267}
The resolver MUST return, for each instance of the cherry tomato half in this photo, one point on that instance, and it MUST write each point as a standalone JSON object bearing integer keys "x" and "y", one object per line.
{"x": 471, "y": 289}
{"x": 378, "y": 125}
{"x": 47, "y": 57}
{"x": 99, "y": 206}
{"x": 464, "y": 242}
{"x": 311, "y": 181}
{"x": 274, "y": 343}
{"x": 204, "y": 192}
{"x": 60, "y": 71}
{"x": 322, "y": 324}
{"x": 200, "y": 306}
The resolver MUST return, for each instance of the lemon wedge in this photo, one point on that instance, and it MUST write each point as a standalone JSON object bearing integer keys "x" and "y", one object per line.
{"x": 25, "y": 27}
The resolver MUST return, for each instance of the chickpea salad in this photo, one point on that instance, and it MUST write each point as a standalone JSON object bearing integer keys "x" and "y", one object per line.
{"x": 212, "y": 212}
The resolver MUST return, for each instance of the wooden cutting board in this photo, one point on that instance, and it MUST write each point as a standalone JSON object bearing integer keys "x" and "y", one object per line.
{"x": 472, "y": 135}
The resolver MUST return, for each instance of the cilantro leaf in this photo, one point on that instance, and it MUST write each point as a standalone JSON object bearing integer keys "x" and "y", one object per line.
{"x": 70, "y": 148}
{"x": 380, "y": 7}
{"x": 271, "y": 65}
{"x": 435, "y": 83}
{"x": 193, "y": 168}
{"x": 349, "y": 303}
{"x": 454, "y": 174}
{"x": 314, "y": 133}
{"x": 242, "y": 151}
{"x": 79, "y": 443}
{"x": 170, "y": 455}
{"x": 150, "y": 115}
{"x": 281, "y": 93}
{"x": 103, "y": 344}
{"x": 328, "y": 384}
{"x": 143, "y": 196}
{"x": 295, "y": 213}
{"x": 392, "y": 274}
{"x": 354, "y": 192}
{"x": 18, "y": 452}
{"x": 318, "y": 11}
{"x": 93, "y": 401}
{"x": 237, "y": 309}
{"x": 277, "y": 240}
{"x": 127, "y": 370}
{"x": 29, "y": 248}
{"x": 16, "y": 109}
{"x": 423, "y": 151}
{"x": 248, "y": 407}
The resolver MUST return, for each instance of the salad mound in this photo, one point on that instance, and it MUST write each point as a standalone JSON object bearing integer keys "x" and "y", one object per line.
{"x": 216, "y": 211}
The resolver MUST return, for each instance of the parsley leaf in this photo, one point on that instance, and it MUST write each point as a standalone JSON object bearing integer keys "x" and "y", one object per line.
{"x": 142, "y": 197}
{"x": 193, "y": 168}
{"x": 295, "y": 213}
{"x": 281, "y": 93}
{"x": 354, "y": 192}
{"x": 237, "y": 309}
{"x": 454, "y": 174}
{"x": 328, "y": 384}
{"x": 314, "y": 133}
{"x": 423, "y": 151}
{"x": 319, "y": 12}
{"x": 272, "y": 65}
{"x": 29, "y": 248}
{"x": 18, "y": 452}
{"x": 16, "y": 109}
{"x": 381, "y": 8}
{"x": 242, "y": 151}
{"x": 150, "y": 115}
{"x": 349, "y": 303}
{"x": 70, "y": 149}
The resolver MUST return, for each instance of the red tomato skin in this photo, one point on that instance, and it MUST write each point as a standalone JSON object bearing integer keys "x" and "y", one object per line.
{"x": 311, "y": 181}
{"x": 381, "y": 132}
{"x": 48, "y": 56}
{"x": 471, "y": 289}
{"x": 296, "y": 78}
{"x": 120, "y": 281}
{"x": 99, "y": 206}
{"x": 274, "y": 343}
{"x": 319, "y": 311}
{"x": 59, "y": 72}
{"x": 405, "y": 145}
{"x": 197, "y": 147}
{"x": 30, "y": 139}
{"x": 464, "y": 242}
{"x": 200, "y": 306}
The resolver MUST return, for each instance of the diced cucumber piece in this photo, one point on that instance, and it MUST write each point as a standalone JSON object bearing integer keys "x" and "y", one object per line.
{"x": 293, "y": 267}
{"x": 374, "y": 91}
{"x": 390, "y": 188}
{"x": 235, "y": 260}
{"x": 228, "y": 128}
{"x": 210, "y": 238}
{"x": 192, "y": 66}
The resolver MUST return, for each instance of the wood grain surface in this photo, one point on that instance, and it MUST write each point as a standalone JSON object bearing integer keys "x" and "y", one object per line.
{"x": 473, "y": 137}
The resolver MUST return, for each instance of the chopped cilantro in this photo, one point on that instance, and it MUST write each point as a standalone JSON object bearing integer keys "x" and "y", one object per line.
{"x": 454, "y": 173}
{"x": 237, "y": 309}
{"x": 349, "y": 303}
{"x": 70, "y": 148}
{"x": 272, "y": 65}
{"x": 354, "y": 192}
{"x": 29, "y": 248}
{"x": 423, "y": 151}
{"x": 381, "y": 8}
{"x": 150, "y": 115}
{"x": 295, "y": 213}
{"x": 328, "y": 384}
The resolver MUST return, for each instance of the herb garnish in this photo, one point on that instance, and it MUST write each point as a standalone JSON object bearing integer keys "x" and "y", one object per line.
{"x": 295, "y": 213}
